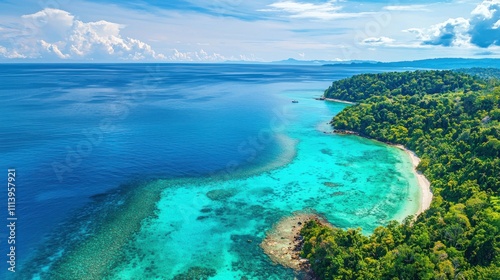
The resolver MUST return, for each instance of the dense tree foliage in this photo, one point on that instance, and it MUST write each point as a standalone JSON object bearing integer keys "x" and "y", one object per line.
{"x": 457, "y": 135}
{"x": 482, "y": 73}
{"x": 363, "y": 86}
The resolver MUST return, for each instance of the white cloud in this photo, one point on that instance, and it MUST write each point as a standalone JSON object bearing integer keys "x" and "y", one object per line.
{"x": 486, "y": 9}
{"x": 407, "y": 8}
{"x": 196, "y": 56}
{"x": 378, "y": 41}
{"x": 452, "y": 32}
{"x": 301, "y": 10}
{"x": 10, "y": 54}
{"x": 51, "y": 16}
{"x": 50, "y": 24}
{"x": 54, "y": 49}
{"x": 203, "y": 56}
{"x": 484, "y": 30}
{"x": 53, "y": 34}
{"x": 481, "y": 29}
{"x": 56, "y": 33}
{"x": 496, "y": 25}
{"x": 390, "y": 43}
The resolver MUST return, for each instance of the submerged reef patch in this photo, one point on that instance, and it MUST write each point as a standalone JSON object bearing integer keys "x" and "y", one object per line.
{"x": 196, "y": 273}
{"x": 221, "y": 194}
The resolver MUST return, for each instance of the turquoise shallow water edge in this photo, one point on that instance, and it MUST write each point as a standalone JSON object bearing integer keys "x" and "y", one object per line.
{"x": 218, "y": 224}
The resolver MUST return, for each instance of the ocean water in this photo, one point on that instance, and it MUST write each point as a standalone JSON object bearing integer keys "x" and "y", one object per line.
{"x": 177, "y": 170}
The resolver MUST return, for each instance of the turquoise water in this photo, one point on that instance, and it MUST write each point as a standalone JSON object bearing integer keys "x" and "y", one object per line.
{"x": 198, "y": 163}
{"x": 219, "y": 223}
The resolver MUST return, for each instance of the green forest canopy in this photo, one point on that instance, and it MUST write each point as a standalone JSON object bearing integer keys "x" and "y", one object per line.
{"x": 452, "y": 121}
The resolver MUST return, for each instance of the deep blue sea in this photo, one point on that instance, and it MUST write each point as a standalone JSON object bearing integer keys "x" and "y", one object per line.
{"x": 81, "y": 136}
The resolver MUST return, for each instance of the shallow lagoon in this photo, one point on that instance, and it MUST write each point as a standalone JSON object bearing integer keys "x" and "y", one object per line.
{"x": 219, "y": 224}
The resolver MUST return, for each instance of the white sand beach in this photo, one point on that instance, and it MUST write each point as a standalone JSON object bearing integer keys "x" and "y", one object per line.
{"x": 339, "y": 101}
{"x": 424, "y": 184}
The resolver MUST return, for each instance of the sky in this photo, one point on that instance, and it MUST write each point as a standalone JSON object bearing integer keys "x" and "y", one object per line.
{"x": 237, "y": 30}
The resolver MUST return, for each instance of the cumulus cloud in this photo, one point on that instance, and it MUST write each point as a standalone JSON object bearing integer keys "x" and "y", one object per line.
{"x": 453, "y": 32}
{"x": 302, "y": 10}
{"x": 57, "y": 33}
{"x": 51, "y": 25}
{"x": 481, "y": 29}
{"x": 484, "y": 23}
{"x": 4, "y": 52}
{"x": 53, "y": 34}
{"x": 196, "y": 56}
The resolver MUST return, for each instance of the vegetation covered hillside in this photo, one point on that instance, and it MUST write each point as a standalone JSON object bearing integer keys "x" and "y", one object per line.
{"x": 452, "y": 121}
{"x": 482, "y": 73}
{"x": 362, "y": 86}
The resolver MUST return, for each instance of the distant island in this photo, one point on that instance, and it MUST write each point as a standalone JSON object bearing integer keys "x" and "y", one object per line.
{"x": 423, "y": 64}
{"x": 451, "y": 119}
{"x": 435, "y": 63}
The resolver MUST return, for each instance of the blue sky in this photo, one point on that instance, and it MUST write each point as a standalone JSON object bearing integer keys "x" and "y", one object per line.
{"x": 259, "y": 30}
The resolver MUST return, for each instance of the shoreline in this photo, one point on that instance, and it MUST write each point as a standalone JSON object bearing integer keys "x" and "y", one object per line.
{"x": 283, "y": 242}
{"x": 340, "y": 101}
{"x": 423, "y": 183}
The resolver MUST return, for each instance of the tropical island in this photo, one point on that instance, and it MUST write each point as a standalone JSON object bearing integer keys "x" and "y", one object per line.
{"x": 451, "y": 120}
{"x": 213, "y": 226}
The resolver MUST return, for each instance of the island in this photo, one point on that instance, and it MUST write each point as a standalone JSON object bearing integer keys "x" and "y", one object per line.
{"x": 451, "y": 120}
